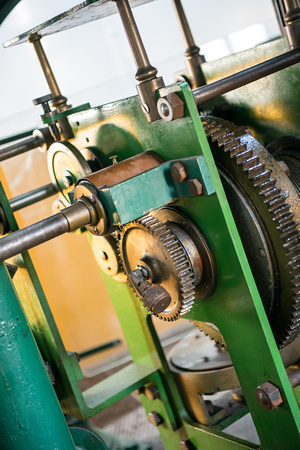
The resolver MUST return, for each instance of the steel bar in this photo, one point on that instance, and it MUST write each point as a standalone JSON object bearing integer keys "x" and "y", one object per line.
{"x": 44, "y": 231}
{"x": 16, "y": 137}
{"x": 21, "y": 147}
{"x": 145, "y": 70}
{"x": 99, "y": 349}
{"x": 192, "y": 50}
{"x": 237, "y": 80}
{"x": 294, "y": 378}
{"x": 32, "y": 197}
{"x": 59, "y": 99}
{"x": 184, "y": 25}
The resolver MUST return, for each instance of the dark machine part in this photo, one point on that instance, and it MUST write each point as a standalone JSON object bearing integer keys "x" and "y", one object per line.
{"x": 288, "y": 15}
{"x": 155, "y": 298}
{"x": 265, "y": 206}
{"x": 287, "y": 150}
{"x": 179, "y": 261}
{"x": 44, "y": 102}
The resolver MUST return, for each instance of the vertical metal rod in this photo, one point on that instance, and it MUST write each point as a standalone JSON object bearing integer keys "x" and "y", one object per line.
{"x": 288, "y": 14}
{"x": 149, "y": 83}
{"x": 194, "y": 60}
{"x": 59, "y": 100}
{"x": 30, "y": 414}
{"x": 145, "y": 71}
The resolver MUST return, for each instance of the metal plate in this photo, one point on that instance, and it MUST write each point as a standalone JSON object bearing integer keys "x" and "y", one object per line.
{"x": 78, "y": 15}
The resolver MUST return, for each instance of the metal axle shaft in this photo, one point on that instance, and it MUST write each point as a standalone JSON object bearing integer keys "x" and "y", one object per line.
{"x": 237, "y": 80}
{"x": 68, "y": 219}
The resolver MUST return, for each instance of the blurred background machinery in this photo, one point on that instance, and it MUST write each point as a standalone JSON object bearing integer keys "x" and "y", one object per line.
{"x": 188, "y": 196}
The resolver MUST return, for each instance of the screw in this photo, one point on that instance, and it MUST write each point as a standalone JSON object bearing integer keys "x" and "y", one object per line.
{"x": 268, "y": 395}
{"x": 165, "y": 110}
{"x": 151, "y": 392}
{"x": 146, "y": 108}
{"x": 155, "y": 418}
{"x": 195, "y": 186}
{"x": 179, "y": 172}
{"x": 114, "y": 159}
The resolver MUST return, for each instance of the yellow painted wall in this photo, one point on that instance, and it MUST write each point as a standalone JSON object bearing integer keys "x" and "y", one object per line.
{"x": 66, "y": 266}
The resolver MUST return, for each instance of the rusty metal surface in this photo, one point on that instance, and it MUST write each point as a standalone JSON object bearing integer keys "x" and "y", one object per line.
{"x": 117, "y": 173}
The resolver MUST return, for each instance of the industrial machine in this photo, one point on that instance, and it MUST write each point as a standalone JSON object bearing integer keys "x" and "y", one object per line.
{"x": 195, "y": 219}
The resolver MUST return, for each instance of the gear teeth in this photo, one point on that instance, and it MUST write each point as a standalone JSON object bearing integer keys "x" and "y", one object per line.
{"x": 254, "y": 171}
{"x": 266, "y": 186}
{"x": 235, "y": 151}
{"x": 274, "y": 198}
{"x": 231, "y": 146}
{"x": 251, "y": 163}
{"x": 271, "y": 194}
{"x": 178, "y": 256}
{"x": 261, "y": 177}
{"x": 243, "y": 156}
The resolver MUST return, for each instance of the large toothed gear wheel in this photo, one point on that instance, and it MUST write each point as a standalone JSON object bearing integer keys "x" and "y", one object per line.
{"x": 149, "y": 240}
{"x": 265, "y": 205}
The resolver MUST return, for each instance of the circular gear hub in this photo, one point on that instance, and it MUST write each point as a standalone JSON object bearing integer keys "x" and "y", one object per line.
{"x": 149, "y": 241}
{"x": 174, "y": 253}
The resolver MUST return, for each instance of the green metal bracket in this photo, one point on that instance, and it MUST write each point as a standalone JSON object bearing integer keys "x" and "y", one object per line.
{"x": 150, "y": 190}
{"x": 66, "y": 113}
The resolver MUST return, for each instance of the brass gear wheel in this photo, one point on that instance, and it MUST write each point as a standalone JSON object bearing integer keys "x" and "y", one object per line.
{"x": 248, "y": 171}
{"x": 148, "y": 237}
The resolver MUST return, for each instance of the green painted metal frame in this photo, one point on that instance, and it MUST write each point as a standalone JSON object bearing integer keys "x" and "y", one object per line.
{"x": 27, "y": 394}
{"x": 235, "y": 307}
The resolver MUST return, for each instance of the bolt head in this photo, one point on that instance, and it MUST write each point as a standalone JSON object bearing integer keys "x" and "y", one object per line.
{"x": 67, "y": 180}
{"x": 268, "y": 395}
{"x": 155, "y": 418}
{"x": 195, "y": 186}
{"x": 151, "y": 392}
{"x": 186, "y": 445}
{"x": 179, "y": 172}
{"x": 170, "y": 107}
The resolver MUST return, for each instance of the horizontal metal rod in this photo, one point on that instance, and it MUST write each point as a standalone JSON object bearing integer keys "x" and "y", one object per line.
{"x": 16, "y": 137}
{"x": 237, "y": 80}
{"x": 99, "y": 349}
{"x": 21, "y": 147}
{"x": 32, "y": 197}
{"x": 45, "y": 230}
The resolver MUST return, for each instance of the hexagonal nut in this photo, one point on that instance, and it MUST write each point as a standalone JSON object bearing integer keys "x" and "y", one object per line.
{"x": 170, "y": 107}
{"x": 268, "y": 395}
{"x": 179, "y": 172}
{"x": 195, "y": 186}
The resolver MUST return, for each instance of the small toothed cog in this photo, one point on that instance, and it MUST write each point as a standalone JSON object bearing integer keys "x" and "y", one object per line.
{"x": 149, "y": 238}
